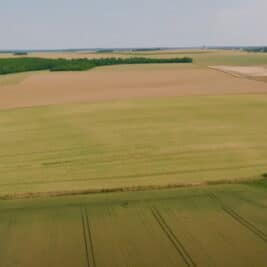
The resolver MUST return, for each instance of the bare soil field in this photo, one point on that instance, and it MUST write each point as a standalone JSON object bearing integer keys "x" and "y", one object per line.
{"x": 250, "y": 71}
{"x": 120, "y": 82}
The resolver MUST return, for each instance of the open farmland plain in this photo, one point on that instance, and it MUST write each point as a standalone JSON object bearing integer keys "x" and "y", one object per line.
{"x": 208, "y": 57}
{"x": 201, "y": 57}
{"x": 121, "y": 83}
{"x": 140, "y": 165}
{"x": 126, "y": 144}
{"x": 205, "y": 226}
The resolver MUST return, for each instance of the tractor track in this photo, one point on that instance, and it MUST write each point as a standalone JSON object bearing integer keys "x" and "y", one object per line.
{"x": 239, "y": 219}
{"x": 88, "y": 242}
{"x": 173, "y": 238}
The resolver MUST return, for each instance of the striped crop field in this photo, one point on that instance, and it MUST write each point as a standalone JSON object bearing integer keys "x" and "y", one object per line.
{"x": 205, "y": 226}
{"x": 132, "y": 144}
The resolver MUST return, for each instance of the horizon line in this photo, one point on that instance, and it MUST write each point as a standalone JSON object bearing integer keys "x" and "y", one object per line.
{"x": 130, "y": 48}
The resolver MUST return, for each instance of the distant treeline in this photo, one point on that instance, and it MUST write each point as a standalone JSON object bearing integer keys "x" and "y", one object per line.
{"x": 20, "y": 53}
{"x": 257, "y": 49}
{"x": 14, "y": 65}
{"x": 145, "y": 49}
{"x": 105, "y": 51}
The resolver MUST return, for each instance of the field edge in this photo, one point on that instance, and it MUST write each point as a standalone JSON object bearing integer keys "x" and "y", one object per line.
{"x": 138, "y": 188}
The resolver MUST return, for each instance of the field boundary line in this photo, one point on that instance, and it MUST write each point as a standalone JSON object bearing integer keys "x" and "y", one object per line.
{"x": 172, "y": 237}
{"x": 88, "y": 241}
{"x": 241, "y": 220}
{"x": 134, "y": 188}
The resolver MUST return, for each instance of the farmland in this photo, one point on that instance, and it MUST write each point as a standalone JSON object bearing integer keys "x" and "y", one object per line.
{"x": 119, "y": 145}
{"x": 201, "y": 57}
{"x": 210, "y": 57}
{"x": 135, "y": 165}
{"x": 210, "y": 226}
{"x": 120, "y": 83}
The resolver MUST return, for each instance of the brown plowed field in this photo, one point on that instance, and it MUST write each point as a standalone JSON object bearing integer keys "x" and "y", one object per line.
{"x": 119, "y": 82}
{"x": 251, "y": 71}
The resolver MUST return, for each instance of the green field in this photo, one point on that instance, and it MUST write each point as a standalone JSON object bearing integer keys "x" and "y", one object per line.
{"x": 113, "y": 145}
{"x": 210, "y": 226}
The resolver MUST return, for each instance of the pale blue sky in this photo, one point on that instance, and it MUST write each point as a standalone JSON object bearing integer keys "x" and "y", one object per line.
{"x": 49, "y": 24}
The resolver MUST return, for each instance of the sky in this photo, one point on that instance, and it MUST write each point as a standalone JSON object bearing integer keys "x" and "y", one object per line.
{"x": 58, "y": 24}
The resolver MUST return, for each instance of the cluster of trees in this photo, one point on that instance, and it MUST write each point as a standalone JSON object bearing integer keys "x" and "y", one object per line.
{"x": 137, "y": 60}
{"x": 105, "y": 51}
{"x": 20, "y": 53}
{"x": 145, "y": 49}
{"x": 14, "y": 65}
{"x": 257, "y": 49}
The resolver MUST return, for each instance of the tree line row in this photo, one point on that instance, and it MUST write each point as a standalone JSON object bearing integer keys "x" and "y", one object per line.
{"x": 14, "y": 65}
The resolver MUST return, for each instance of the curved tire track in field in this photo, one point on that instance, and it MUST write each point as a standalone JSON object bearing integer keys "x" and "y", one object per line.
{"x": 88, "y": 241}
{"x": 241, "y": 220}
{"x": 173, "y": 238}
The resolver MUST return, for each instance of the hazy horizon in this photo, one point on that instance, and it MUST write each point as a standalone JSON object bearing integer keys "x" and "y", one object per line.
{"x": 64, "y": 24}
